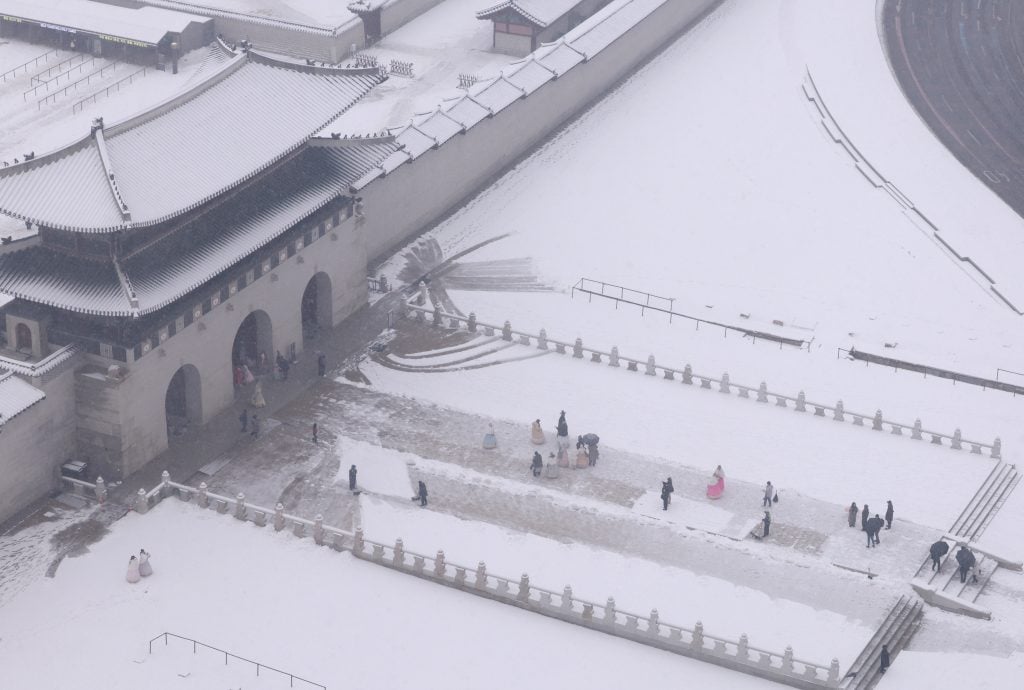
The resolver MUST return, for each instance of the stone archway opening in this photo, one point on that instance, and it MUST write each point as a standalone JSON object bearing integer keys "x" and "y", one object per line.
{"x": 22, "y": 338}
{"x": 253, "y": 347}
{"x": 317, "y": 308}
{"x": 183, "y": 402}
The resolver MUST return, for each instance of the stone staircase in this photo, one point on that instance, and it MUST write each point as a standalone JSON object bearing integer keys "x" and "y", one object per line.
{"x": 482, "y": 351}
{"x": 942, "y": 587}
{"x": 896, "y": 630}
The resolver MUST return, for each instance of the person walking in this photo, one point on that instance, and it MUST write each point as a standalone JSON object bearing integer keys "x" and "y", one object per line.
{"x": 665, "y": 494}
{"x": 883, "y": 659}
{"x": 422, "y": 493}
{"x": 352, "y": 471}
{"x": 888, "y": 514}
{"x": 562, "y": 428}
{"x": 316, "y": 431}
{"x": 254, "y": 424}
{"x": 874, "y": 527}
{"x": 537, "y": 465}
{"x": 145, "y": 569}
{"x": 864, "y": 515}
{"x": 244, "y": 420}
{"x": 852, "y": 514}
{"x": 937, "y": 551}
{"x": 769, "y": 494}
{"x": 965, "y": 558}
{"x": 133, "y": 570}
{"x": 766, "y": 521}
{"x": 537, "y": 434}
{"x": 321, "y": 364}
{"x": 671, "y": 489}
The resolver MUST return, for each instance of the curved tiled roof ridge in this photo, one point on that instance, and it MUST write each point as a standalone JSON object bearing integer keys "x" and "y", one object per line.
{"x": 242, "y": 16}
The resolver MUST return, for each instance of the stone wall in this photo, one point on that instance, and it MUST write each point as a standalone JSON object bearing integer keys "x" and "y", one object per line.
{"x": 34, "y": 444}
{"x": 407, "y": 201}
{"x": 396, "y": 13}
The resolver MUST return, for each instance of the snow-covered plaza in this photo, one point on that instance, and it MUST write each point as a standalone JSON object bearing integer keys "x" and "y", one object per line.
{"x": 710, "y": 179}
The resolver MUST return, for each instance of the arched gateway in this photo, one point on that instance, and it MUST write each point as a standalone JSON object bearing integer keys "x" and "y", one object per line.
{"x": 254, "y": 344}
{"x": 183, "y": 402}
{"x": 317, "y": 305}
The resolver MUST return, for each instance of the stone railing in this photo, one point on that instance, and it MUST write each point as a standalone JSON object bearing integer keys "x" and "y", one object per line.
{"x": 738, "y": 655}
{"x": 800, "y": 403}
{"x": 97, "y": 491}
{"x": 42, "y": 367}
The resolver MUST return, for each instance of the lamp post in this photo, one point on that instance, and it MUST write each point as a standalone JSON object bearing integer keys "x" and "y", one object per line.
{"x": 174, "y": 57}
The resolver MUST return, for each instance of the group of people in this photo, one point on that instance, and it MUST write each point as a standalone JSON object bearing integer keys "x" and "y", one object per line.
{"x": 871, "y": 526}
{"x": 965, "y": 559}
{"x": 139, "y": 567}
{"x": 587, "y": 451}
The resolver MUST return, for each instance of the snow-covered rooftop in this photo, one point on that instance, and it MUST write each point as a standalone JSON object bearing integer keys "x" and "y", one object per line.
{"x": 145, "y": 24}
{"x": 543, "y": 13}
{"x": 176, "y": 157}
{"x": 16, "y": 395}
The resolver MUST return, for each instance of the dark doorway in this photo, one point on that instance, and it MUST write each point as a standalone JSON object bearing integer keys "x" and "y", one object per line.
{"x": 183, "y": 402}
{"x": 316, "y": 306}
{"x": 254, "y": 343}
{"x": 22, "y": 338}
{"x": 371, "y": 26}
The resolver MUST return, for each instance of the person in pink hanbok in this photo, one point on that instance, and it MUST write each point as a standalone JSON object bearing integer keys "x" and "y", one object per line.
{"x": 717, "y": 485}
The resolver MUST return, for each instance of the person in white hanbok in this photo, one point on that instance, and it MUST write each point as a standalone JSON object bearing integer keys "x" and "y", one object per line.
{"x": 133, "y": 570}
{"x": 536, "y": 434}
{"x": 257, "y": 396}
{"x": 145, "y": 569}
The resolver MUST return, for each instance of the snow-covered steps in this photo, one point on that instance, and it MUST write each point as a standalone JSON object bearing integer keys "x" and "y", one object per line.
{"x": 986, "y": 502}
{"x": 482, "y": 351}
{"x": 896, "y": 630}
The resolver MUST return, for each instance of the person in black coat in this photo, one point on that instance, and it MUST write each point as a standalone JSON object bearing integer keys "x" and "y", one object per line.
{"x": 875, "y": 525}
{"x": 766, "y": 522}
{"x": 321, "y": 364}
{"x": 422, "y": 493}
{"x": 937, "y": 551}
{"x": 352, "y": 478}
{"x": 884, "y": 659}
{"x": 537, "y": 465}
{"x": 966, "y": 560}
{"x": 671, "y": 489}
{"x": 562, "y": 428}
{"x": 864, "y": 515}
{"x": 665, "y": 493}
{"x": 888, "y": 514}
{"x": 244, "y": 419}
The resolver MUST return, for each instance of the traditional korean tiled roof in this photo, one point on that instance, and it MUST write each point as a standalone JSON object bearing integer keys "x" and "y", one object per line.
{"x": 250, "y": 113}
{"x": 16, "y": 396}
{"x": 543, "y": 13}
{"x": 211, "y": 244}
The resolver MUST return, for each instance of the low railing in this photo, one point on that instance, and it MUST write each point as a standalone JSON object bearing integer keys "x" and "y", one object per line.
{"x": 954, "y": 376}
{"x": 64, "y": 65}
{"x": 665, "y": 305}
{"x": 55, "y": 81}
{"x": 724, "y": 384}
{"x": 75, "y": 84}
{"x": 116, "y": 86}
{"x": 259, "y": 665}
{"x": 378, "y": 284}
{"x": 693, "y": 642}
{"x": 96, "y": 491}
{"x": 13, "y": 72}
{"x": 43, "y": 366}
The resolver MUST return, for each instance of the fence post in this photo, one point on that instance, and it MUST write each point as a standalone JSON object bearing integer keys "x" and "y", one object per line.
{"x": 915, "y": 433}
{"x": 957, "y": 438}
{"x": 654, "y": 627}
{"x": 165, "y": 481}
{"x": 481, "y": 575}
{"x": 762, "y": 392}
{"x": 471, "y": 322}
{"x": 567, "y": 598}
{"x": 801, "y": 402}
{"x": 524, "y": 588}
{"x": 724, "y": 385}
{"x": 357, "y": 541}
{"x": 279, "y": 517}
{"x": 506, "y": 332}
{"x": 436, "y": 316}
{"x": 833, "y": 671}
{"x": 101, "y": 490}
{"x": 649, "y": 370}
{"x": 318, "y": 530}
{"x": 240, "y": 506}
{"x": 698, "y": 636}
{"x": 439, "y": 564}
{"x": 838, "y": 414}
{"x": 609, "y": 611}
{"x": 787, "y": 660}
{"x": 421, "y": 299}
{"x": 743, "y": 648}
{"x": 398, "y": 559}
{"x": 876, "y": 423}
{"x": 577, "y": 348}
{"x": 613, "y": 359}
{"x": 542, "y": 340}
{"x": 688, "y": 374}
{"x": 997, "y": 449}
{"x": 203, "y": 499}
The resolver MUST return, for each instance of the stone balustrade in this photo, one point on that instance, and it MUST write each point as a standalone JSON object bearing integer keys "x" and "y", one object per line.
{"x": 649, "y": 366}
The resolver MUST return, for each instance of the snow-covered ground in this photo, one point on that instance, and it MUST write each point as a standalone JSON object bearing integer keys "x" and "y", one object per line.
{"x": 291, "y": 605}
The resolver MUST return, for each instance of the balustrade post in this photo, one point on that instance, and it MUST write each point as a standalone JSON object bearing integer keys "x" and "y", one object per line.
{"x": 577, "y": 349}
{"x": 876, "y": 423}
{"x": 567, "y": 598}
{"x": 838, "y": 414}
{"x": 506, "y": 332}
{"x": 688, "y": 374}
{"x": 613, "y": 360}
{"x": 240, "y": 506}
{"x": 609, "y": 611}
{"x": 398, "y": 558}
{"x": 141, "y": 502}
{"x": 997, "y": 448}
{"x": 957, "y": 440}
{"x": 649, "y": 369}
{"x": 421, "y": 298}
{"x": 203, "y": 499}
{"x": 101, "y": 490}
{"x": 165, "y": 484}
{"x": 437, "y": 316}
{"x": 481, "y": 575}
{"x": 279, "y": 517}
{"x": 542, "y": 340}
{"x": 697, "y": 641}
{"x": 833, "y": 671}
{"x": 318, "y": 530}
{"x": 723, "y": 386}
{"x": 357, "y": 541}
{"x": 524, "y": 587}
{"x": 787, "y": 660}
{"x": 471, "y": 323}
{"x": 743, "y": 648}
{"x": 762, "y": 392}
{"x": 439, "y": 568}
{"x": 801, "y": 402}
{"x": 654, "y": 626}
{"x": 916, "y": 431}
